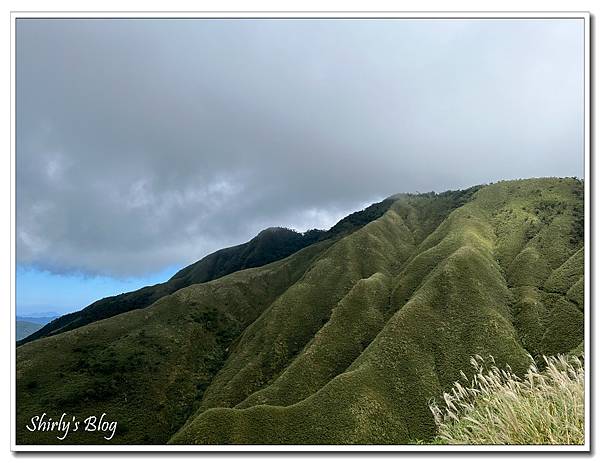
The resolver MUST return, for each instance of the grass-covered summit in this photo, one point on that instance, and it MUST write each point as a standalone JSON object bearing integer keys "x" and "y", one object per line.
{"x": 345, "y": 341}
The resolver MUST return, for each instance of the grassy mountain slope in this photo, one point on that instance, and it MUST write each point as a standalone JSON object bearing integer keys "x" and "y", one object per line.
{"x": 319, "y": 307}
{"x": 147, "y": 368}
{"x": 345, "y": 341}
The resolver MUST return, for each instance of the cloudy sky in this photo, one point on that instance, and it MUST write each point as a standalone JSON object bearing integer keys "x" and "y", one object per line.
{"x": 143, "y": 145}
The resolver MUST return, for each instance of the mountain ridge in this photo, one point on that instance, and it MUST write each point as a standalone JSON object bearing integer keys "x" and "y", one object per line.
{"x": 271, "y": 244}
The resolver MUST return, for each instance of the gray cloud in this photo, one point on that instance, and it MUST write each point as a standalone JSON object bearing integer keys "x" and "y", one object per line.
{"x": 147, "y": 143}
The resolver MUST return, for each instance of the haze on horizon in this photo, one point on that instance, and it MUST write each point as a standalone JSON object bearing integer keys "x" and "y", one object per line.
{"x": 143, "y": 145}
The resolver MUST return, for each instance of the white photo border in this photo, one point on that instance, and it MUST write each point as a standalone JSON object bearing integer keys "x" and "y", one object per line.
{"x": 585, "y": 16}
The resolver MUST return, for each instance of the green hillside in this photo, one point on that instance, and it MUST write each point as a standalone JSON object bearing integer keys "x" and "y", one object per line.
{"x": 345, "y": 341}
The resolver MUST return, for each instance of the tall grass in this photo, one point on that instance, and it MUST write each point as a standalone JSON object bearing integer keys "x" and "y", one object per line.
{"x": 545, "y": 407}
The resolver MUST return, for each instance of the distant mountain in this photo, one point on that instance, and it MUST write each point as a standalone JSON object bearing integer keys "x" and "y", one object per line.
{"x": 27, "y": 325}
{"x": 49, "y": 314}
{"x": 345, "y": 341}
{"x": 40, "y": 320}
{"x": 25, "y": 328}
{"x": 268, "y": 246}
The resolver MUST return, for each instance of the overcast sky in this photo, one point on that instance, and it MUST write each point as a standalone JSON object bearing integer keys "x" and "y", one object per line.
{"x": 143, "y": 145}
